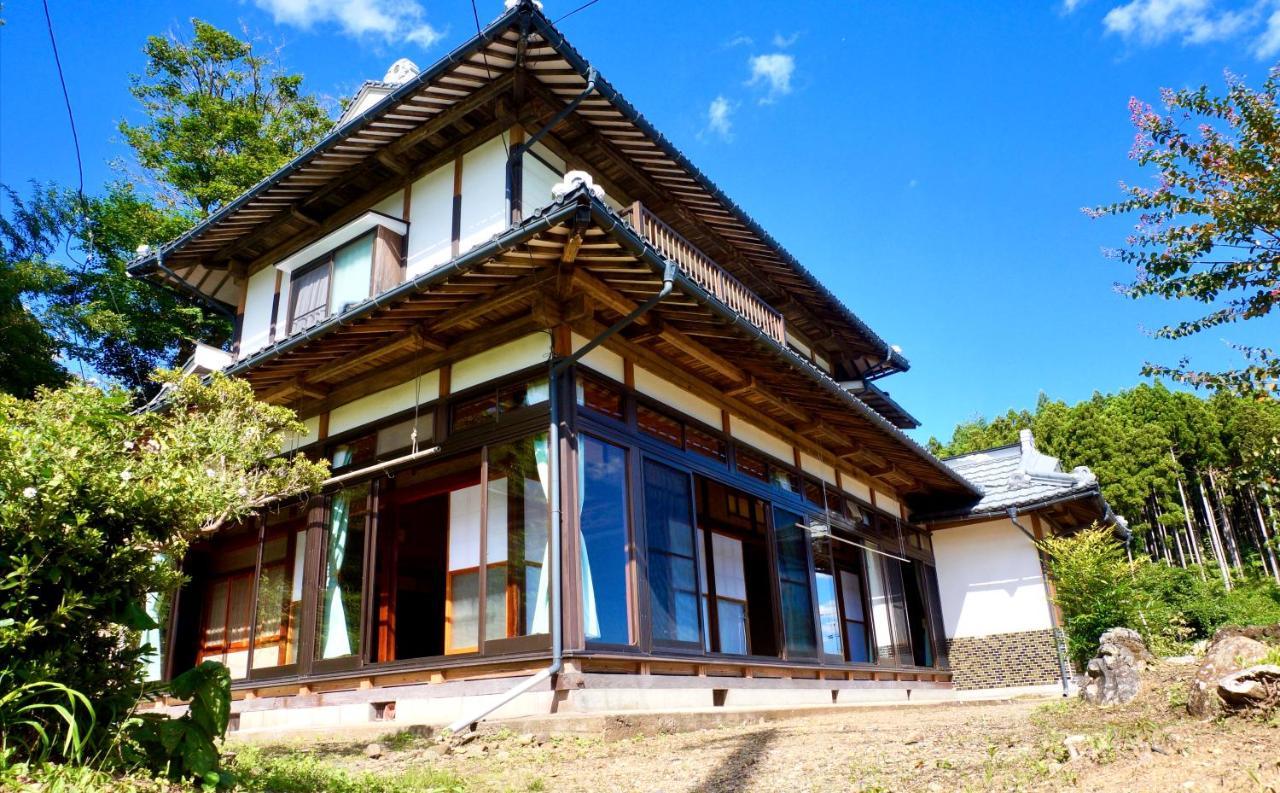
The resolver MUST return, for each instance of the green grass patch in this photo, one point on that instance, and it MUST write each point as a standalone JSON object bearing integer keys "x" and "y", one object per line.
{"x": 298, "y": 772}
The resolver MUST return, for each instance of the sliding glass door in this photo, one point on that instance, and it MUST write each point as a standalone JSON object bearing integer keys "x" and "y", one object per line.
{"x": 672, "y": 557}
{"x": 791, "y": 539}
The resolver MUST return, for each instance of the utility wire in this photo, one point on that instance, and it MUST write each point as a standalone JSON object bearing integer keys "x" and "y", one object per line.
{"x": 576, "y": 10}
{"x": 75, "y": 138}
{"x": 484, "y": 55}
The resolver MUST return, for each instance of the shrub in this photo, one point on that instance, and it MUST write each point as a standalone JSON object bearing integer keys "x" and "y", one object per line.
{"x": 94, "y": 499}
{"x": 1097, "y": 588}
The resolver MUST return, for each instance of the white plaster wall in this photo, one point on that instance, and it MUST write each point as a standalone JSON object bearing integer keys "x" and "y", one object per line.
{"x": 503, "y": 359}
{"x": 293, "y": 441}
{"x": 989, "y": 580}
{"x": 677, "y": 398}
{"x": 255, "y": 330}
{"x": 888, "y": 503}
{"x": 539, "y": 174}
{"x": 430, "y": 221}
{"x": 384, "y": 403}
{"x": 484, "y": 193}
{"x": 855, "y": 487}
{"x": 812, "y": 465}
{"x": 392, "y": 205}
{"x": 606, "y": 362}
{"x": 754, "y": 436}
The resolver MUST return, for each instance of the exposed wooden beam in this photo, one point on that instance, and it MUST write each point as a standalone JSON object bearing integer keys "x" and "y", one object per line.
{"x": 503, "y": 298}
{"x": 415, "y": 339}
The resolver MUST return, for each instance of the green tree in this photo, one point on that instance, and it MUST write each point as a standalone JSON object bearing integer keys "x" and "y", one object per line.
{"x": 28, "y": 353}
{"x": 219, "y": 117}
{"x": 1209, "y": 229}
{"x": 95, "y": 502}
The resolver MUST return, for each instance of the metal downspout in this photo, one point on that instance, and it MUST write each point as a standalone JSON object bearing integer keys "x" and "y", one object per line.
{"x": 1058, "y": 637}
{"x": 557, "y": 514}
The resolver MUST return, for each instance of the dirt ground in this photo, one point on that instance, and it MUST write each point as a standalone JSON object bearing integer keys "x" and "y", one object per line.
{"x": 1150, "y": 745}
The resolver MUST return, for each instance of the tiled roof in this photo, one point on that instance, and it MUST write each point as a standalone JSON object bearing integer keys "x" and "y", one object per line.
{"x": 1019, "y": 476}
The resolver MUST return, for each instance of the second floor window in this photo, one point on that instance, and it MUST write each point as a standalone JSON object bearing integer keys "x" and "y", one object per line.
{"x": 332, "y": 284}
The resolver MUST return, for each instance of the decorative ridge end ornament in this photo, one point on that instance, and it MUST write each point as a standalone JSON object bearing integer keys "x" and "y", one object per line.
{"x": 507, "y": 5}
{"x": 570, "y": 182}
{"x": 401, "y": 72}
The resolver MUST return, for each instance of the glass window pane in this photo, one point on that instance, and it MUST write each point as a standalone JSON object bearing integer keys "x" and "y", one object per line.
{"x": 659, "y": 426}
{"x": 673, "y": 577}
{"x": 704, "y": 443}
{"x": 600, "y": 397}
{"x": 495, "y": 604}
{"x": 855, "y": 616}
{"x": 733, "y": 626}
{"x": 352, "y": 274}
{"x": 603, "y": 522}
{"x": 338, "y": 629}
{"x": 792, "y": 540}
{"x": 309, "y": 294}
{"x": 516, "y": 538}
{"x": 829, "y": 615}
{"x": 751, "y": 465}
{"x": 893, "y": 570}
{"x": 879, "y": 608}
{"x": 464, "y": 610}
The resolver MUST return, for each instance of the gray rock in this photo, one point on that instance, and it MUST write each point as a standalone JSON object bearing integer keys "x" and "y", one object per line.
{"x": 1224, "y": 657}
{"x": 1112, "y": 677}
{"x": 1255, "y": 688}
{"x": 1131, "y": 640}
{"x": 373, "y": 751}
{"x": 1074, "y": 744}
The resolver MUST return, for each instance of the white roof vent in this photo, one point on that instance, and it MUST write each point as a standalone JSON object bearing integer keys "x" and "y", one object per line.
{"x": 401, "y": 72}
{"x": 571, "y": 180}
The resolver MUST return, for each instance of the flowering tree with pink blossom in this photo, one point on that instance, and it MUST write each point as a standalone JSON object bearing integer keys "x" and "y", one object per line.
{"x": 1208, "y": 231}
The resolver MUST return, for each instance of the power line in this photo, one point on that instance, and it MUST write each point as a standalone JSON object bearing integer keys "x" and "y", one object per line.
{"x": 576, "y": 10}
{"x": 66, "y": 98}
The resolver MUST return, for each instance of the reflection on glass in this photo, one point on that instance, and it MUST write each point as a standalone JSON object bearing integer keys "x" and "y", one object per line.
{"x": 603, "y": 522}
{"x": 792, "y": 540}
{"x": 673, "y": 581}
{"x": 279, "y": 600}
{"x": 893, "y": 570}
{"x": 516, "y": 547}
{"x": 828, "y": 605}
{"x": 879, "y": 608}
{"x": 338, "y": 629}
{"x": 855, "y": 619}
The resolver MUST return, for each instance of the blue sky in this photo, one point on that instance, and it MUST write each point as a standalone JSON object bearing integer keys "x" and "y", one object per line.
{"x": 927, "y": 160}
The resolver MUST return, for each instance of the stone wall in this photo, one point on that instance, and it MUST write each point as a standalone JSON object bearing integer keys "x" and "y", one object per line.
{"x": 1027, "y": 658}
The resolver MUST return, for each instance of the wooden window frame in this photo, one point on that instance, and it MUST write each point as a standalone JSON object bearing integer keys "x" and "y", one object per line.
{"x": 326, "y": 260}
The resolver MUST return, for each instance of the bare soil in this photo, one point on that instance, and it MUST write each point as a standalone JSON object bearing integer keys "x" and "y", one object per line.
{"x": 1148, "y": 745}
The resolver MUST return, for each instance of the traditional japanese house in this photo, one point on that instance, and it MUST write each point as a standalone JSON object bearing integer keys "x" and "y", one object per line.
{"x": 595, "y": 435}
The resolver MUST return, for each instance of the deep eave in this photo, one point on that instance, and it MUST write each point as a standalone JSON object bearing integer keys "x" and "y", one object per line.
{"x": 471, "y": 67}
{"x": 433, "y": 297}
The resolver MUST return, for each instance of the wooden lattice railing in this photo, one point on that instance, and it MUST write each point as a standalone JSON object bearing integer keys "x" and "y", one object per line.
{"x": 709, "y": 275}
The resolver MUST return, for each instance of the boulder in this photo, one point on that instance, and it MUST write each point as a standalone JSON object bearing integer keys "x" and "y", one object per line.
{"x": 1256, "y": 688}
{"x": 1269, "y": 634}
{"x": 1112, "y": 677}
{"x": 1132, "y": 641}
{"x": 1225, "y": 657}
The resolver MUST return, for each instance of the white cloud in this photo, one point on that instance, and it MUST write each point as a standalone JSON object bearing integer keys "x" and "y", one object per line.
{"x": 389, "y": 20}
{"x": 739, "y": 40}
{"x": 773, "y": 71}
{"x": 719, "y": 119}
{"x": 782, "y": 42}
{"x": 1193, "y": 21}
{"x": 1267, "y": 45}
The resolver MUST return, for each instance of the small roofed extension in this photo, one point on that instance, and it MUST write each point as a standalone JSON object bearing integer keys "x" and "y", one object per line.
{"x": 1001, "y": 625}
{"x": 502, "y": 303}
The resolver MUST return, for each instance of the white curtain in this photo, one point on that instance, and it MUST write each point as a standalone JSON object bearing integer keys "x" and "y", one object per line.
{"x": 336, "y": 641}
{"x": 590, "y": 616}
{"x": 310, "y": 291}
{"x": 541, "y": 620}
{"x": 151, "y": 639}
